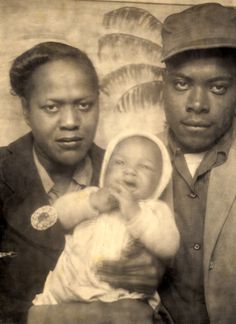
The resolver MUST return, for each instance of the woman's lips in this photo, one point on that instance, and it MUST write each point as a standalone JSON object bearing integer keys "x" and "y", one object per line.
{"x": 70, "y": 142}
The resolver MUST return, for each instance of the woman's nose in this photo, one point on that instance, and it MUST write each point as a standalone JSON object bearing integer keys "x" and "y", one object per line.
{"x": 69, "y": 118}
{"x": 198, "y": 101}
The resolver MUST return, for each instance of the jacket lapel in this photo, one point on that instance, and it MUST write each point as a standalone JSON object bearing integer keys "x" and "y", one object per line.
{"x": 25, "y": 194}
{"x": 19, "y": 171}
{"x": 221, "y": 194}
{"x": 96, "y": 154}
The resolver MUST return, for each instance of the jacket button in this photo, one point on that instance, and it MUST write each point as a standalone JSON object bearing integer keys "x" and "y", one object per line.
{"x": 197, "y": 246}
{"x": 10, "y": 254}
{"x": 211, "y": 265}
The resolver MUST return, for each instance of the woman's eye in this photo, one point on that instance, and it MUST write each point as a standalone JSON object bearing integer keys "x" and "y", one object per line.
{"x": 51, "y": 108}
{"x": 181, "y": 85}
{"x": 218, "y": 89}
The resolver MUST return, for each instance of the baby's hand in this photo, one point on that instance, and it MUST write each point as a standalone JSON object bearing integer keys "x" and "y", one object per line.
{"x": 103, "y": 201}
{"x": 128, "y": 205}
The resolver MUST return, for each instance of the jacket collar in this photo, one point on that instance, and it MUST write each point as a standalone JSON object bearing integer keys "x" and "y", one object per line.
{"x": 19, "y": 171}
{"x": 221, "y": 194}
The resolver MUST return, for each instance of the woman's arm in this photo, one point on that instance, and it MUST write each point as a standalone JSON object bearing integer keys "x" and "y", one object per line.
{"x": 126, "y": 311}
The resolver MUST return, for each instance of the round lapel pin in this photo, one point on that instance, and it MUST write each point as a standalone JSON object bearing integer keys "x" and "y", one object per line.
{"x": 43, "y": 218}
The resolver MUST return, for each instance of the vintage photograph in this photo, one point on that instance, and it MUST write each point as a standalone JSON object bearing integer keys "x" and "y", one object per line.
{"x": 117, "y": 162}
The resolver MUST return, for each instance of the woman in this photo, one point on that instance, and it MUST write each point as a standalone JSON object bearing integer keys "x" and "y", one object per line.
{"x": 58, "y": 88}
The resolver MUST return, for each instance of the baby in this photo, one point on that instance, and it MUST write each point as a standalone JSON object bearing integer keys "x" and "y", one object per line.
{"x": 125, "y": 209}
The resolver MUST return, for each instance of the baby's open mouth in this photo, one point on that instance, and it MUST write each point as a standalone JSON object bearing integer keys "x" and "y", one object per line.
{"x": 130, "y": 185}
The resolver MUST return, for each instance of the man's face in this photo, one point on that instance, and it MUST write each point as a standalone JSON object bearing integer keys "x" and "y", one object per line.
{"x": 199, "y": 99}
{"x": 62, "y": 111}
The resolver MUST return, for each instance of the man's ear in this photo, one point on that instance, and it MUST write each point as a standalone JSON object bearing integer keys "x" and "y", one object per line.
{"x": 25, "y": 108}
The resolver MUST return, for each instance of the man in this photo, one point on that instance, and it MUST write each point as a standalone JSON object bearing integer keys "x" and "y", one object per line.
{"x": 199, "y": 46}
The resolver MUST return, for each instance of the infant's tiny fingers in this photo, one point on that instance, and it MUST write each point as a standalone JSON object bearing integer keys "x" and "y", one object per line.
{"x": 111, "y": 197}
{"x": 113, "y": 201}
{"x": 116, "y": 193}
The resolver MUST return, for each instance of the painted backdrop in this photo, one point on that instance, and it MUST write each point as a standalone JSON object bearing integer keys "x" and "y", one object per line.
{"x": 122, "y": 39}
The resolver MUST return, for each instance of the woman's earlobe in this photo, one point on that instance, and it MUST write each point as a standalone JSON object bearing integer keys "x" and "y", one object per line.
{"x": 25, "y": 109}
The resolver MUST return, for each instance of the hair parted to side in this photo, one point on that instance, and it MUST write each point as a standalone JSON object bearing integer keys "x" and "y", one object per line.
{"x": 25, "y": 64}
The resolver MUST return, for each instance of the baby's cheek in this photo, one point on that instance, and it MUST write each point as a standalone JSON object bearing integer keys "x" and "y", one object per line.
{"x": 112, "y": 176}
{"x": 149, "y": 186}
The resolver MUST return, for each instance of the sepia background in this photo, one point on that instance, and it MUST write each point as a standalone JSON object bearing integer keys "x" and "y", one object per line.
{"x": 123, "y": 40}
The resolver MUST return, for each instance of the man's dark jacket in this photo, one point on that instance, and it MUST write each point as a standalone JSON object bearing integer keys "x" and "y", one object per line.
{"x": 35, "y": 252}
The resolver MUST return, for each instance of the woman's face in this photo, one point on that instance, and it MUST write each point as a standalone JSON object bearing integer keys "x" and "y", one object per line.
{"x": 62, "y": 110}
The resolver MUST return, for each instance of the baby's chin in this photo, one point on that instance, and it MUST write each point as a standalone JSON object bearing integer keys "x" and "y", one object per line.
{"x": 138, "y": 196}
{"x": 142, "y": 196}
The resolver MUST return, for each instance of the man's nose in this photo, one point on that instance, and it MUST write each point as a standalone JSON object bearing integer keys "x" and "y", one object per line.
{"x": 69, "y": 118}
{"x": 198, "y": 101}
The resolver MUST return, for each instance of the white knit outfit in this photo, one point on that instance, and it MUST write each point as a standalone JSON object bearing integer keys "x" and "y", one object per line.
{"x": 106, "y": 236}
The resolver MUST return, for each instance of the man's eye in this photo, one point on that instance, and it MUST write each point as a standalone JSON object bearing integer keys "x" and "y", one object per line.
{"x": 181, "y": 85}
{"x": 219, "y": 89}
{"x": 83, "y": 106}
{"x": 51, "y": 108}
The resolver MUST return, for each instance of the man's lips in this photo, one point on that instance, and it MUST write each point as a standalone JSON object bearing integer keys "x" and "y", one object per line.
{"x": 196, "y": 124}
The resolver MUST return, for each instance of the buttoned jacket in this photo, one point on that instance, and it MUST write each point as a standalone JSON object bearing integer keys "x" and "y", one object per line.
{"x": 35, "y": 252}
{"x": 219, "y": 242}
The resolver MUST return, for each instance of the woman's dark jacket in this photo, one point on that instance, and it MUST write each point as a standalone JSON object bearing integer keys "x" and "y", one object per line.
{"x": 22, "y": 275}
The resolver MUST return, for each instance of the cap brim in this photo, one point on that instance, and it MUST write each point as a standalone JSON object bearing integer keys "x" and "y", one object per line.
{"x": 198, "y": 45}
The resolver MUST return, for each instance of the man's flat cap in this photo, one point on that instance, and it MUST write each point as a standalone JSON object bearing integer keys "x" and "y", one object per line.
{"x": 209, "y": 25}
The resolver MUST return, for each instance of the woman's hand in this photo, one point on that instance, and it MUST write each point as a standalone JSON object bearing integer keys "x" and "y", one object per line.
{"x": 140, "y": 273}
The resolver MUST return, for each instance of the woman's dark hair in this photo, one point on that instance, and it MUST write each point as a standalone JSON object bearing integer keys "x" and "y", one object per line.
{"x": 25, "y": 64}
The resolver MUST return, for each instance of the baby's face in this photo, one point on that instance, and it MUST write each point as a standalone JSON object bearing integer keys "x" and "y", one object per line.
{"x": 136, "y": 164}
